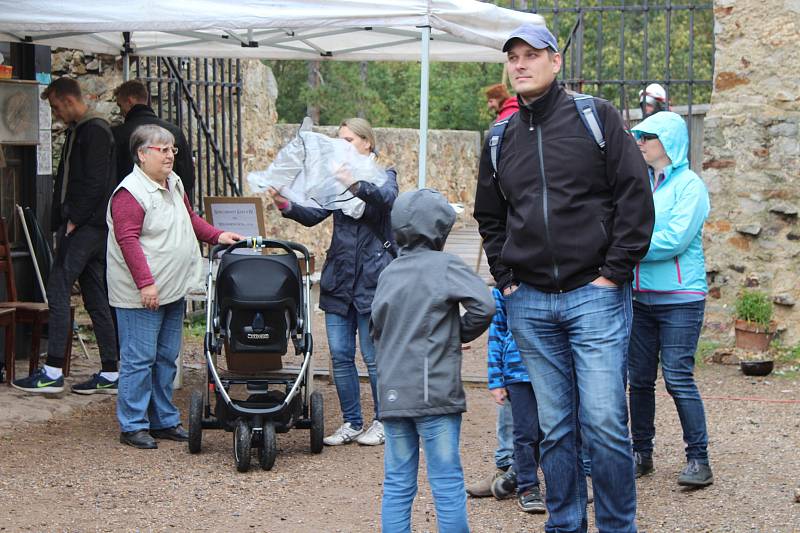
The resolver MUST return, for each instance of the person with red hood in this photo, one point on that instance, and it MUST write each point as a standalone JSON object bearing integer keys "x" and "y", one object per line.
{"x": 500, "y": 102}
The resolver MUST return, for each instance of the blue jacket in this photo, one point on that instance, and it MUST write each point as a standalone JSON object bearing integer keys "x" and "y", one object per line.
{"x": 674, "y": 264}
{"x": 505, "y": 363}
{"x": 356, "y": 256}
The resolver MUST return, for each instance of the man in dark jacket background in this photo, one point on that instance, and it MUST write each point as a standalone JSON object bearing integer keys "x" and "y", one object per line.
{"x": 84, "y": 181}
{"x": 132, "y": 97}
{"x": 564, "y": 222}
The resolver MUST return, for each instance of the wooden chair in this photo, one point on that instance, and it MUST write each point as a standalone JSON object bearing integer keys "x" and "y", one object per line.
{"x": 36, "y": 314}
{"x": 9, "y": 323}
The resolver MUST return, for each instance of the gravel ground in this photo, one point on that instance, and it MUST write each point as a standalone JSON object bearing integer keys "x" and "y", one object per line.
{"x": 71, "y": 474}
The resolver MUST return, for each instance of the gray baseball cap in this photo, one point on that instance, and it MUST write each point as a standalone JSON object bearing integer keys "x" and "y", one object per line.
{"x": 536, "y": 35}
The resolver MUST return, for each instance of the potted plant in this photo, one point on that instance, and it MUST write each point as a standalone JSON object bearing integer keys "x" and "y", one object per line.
{"x": 754, "y": 327}
{"x": 754, "y": 330}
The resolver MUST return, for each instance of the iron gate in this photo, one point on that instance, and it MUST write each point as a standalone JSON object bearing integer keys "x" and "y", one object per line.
{"x": 203, "y": 97}
{"x": 614, "y": 49}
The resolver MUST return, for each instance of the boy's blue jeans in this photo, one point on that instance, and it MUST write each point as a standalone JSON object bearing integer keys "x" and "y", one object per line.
{"x": 341, "y": 332}
{"x": 440, "y": 440}
{"x": 575, "y": 346}
{"x": 504, "y": 453}
{"x": 526, "y": 434}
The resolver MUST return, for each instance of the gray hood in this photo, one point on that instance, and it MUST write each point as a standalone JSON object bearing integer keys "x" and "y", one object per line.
{"x": 421, "y": 219}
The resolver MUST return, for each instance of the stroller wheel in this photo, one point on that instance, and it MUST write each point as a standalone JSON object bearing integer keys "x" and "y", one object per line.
{"x": 241, "y": 445}
{"x": 317, "y": 422}
{"x": 268, "y": 452}
{"x": 195, "y": 421}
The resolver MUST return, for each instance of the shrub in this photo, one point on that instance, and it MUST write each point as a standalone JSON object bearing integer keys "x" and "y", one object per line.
{"x": 755, "y": 307}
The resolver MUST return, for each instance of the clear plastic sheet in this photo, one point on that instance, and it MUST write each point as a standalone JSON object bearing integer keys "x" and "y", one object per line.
{"x": 312, "y": 170}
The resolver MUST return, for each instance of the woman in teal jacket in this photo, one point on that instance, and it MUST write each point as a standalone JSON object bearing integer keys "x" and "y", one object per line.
{"x": 669, "y": 298}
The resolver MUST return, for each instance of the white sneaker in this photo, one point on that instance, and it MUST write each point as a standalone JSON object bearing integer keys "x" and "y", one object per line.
{"x": 373, "y": 436}
{"x": 344, "y": 435}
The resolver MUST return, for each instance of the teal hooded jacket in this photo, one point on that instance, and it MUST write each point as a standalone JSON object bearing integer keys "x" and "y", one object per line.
{"x": 674, "y": 264}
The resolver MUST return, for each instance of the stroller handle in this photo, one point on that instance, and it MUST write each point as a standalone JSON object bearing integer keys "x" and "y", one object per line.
{"x": 261, "y": 242}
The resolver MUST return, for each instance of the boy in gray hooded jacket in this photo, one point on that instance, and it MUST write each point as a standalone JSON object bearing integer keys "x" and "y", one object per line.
{"x": 418, "y": 332}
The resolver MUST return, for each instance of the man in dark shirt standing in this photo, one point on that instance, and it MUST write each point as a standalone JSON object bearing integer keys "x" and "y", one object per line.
{"x": 132, "y": 98}
{"x": 84, "y": 181}
{"x": 564, "y": 219}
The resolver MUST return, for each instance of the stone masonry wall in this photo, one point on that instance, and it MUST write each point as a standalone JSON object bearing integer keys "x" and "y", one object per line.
{"x": 752, "y": 161}
{"x": 452, "y": 155}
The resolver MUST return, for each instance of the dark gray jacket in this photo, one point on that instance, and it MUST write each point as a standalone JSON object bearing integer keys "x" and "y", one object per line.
{"x": 415, "y": 321}
{"x": 356, "y": 256}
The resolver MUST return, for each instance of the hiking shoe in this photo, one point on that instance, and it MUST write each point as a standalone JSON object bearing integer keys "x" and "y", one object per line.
{"x": 696, "y": 474}
{"x": 174, "y": 433}
{"x": 531, "y": 501}
{"x": 372, "y": 436}
{"x": 344, "y": 435}
{"x": 39, "y": 383}
{"x": 644, "y": 464}
{"x": 97, "y": 384}
{"x": 483, "y": 488}
{"x": 505, "y": 485}
{"x": 138, "y": 439}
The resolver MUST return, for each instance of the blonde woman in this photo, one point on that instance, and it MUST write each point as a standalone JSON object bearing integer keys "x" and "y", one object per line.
{"x": 360, "y": 249}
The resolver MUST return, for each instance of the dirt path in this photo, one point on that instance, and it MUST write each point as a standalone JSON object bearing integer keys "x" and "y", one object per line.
{"x": 71, "y": 473}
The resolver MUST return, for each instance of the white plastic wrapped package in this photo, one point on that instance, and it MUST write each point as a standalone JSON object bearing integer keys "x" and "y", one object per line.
{"x": 310, "y": 169}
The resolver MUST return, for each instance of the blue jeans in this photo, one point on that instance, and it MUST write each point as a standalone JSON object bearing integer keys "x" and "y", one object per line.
{"x": 149, "y": 345}
{"x": 668, "y": 333}
{"x": 342, "y": 343}
{"x": 526, "y": 434}
{"x": 440, "y": 439}
{"x": 575, "y": 347}
{"x": 504, "y": 453}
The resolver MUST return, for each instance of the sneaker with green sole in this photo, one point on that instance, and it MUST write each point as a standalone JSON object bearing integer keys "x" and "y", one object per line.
{"x": 39, "y": 383}
{"x": 97, "y": 384}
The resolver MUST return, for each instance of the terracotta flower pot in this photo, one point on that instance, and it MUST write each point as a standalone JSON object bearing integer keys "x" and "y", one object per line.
{"x": 752, "y": 337}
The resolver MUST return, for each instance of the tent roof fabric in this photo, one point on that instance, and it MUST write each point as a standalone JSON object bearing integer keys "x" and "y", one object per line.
{"x": 349, "y": 30}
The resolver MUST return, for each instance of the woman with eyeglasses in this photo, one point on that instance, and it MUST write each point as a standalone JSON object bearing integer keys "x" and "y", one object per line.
{"x": 361, "y": 247}
{"x": 153, "y": 262}
{"x": 669, "y": 299}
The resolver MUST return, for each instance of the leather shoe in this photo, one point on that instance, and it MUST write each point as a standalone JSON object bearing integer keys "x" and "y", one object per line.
{"x": 177, "y": 433}
{"x": 138, "y": 439}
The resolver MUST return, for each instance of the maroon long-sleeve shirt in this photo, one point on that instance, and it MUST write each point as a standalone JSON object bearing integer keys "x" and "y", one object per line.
{"x": 128, "y": 218}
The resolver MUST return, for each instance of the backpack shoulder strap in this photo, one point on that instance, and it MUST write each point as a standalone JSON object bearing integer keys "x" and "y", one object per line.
{"x": 496, "y": 140}
{"x": 584, "y": 103}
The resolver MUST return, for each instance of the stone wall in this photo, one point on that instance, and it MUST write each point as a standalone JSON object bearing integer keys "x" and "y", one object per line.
{"x": 452, "y": 155}
{"x": 752, "y": 160}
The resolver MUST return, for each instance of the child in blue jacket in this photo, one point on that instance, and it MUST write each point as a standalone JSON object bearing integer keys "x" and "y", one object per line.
{"x": 508, "y": 379}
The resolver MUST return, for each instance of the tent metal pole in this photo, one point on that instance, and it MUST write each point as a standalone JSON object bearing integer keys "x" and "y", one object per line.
{"x": 423, "y": 107}
{"x": 126, "y": 50}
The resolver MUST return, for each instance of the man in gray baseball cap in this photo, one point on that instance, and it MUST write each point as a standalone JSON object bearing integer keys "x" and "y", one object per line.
{"x": 535, "y": 35}
{"x": 565, "y": 219}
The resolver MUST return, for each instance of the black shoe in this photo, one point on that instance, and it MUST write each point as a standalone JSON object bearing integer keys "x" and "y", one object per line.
{"x": 177, "y": 433}
{"x": 696, "y": 474}
{"x": 531, "y": 501}
{"x": 644, "y": 464}
{"x": 138, "y": 439}
{"x": 505, "y": 485}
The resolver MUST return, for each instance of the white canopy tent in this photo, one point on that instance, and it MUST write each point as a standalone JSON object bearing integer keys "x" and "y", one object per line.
{"x": 344, "y": 30}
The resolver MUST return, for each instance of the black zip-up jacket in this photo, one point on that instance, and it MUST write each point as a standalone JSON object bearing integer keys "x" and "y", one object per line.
{"x": 357, "y": 255}
{"x": 92, "y": 175}
{"x": 140, "y": 115}
{"x": 561, "y": 211}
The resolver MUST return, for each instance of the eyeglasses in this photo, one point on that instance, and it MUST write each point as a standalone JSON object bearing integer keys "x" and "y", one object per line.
{"x": 648, "y": 137}
{"x": 165, "y": 149}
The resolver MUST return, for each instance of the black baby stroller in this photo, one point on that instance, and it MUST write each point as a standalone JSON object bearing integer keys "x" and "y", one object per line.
{"x": 257, "y": 305}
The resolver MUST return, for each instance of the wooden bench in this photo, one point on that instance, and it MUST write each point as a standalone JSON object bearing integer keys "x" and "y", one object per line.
{"x": 467, "y": 244}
